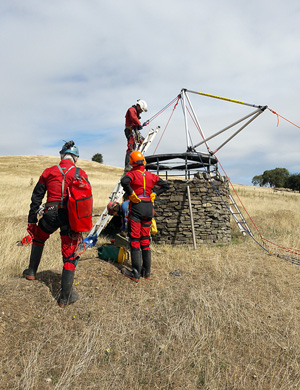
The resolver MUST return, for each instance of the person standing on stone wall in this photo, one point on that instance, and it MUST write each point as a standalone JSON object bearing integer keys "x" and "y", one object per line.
{"x": 133, "y": 127}
{"x": 138, "y": 185}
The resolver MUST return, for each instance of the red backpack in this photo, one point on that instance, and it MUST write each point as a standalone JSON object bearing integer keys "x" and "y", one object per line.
{"x": 79, "y": 203}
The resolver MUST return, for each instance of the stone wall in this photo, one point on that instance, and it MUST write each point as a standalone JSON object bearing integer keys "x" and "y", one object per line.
{"x": 210, "y": 214}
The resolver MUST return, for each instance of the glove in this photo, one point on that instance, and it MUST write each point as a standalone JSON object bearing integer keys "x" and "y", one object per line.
{"x": 152, "y": 197}
{"x": 133, "y": 198}
{"x": 31, "y": 228}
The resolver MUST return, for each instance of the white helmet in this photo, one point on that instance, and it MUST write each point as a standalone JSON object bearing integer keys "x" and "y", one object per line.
{"x": 143, "y": 105}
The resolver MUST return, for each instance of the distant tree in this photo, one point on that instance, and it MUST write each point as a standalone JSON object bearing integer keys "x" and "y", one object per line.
{"x": 277, "y": 177}
{"x": 257, "y": 180}
{"x": 98, "y": 158}
{"x": 293, "y": 182}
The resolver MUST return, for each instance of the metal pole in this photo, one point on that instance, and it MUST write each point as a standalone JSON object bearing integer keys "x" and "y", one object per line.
{"x": 185, "y": 117}
{"x": 191, "y": 214}
{"x": 226, "y": 128}
{"x": 233, "y": 135}
{"x": 223, "y": 98}
{"x": 195, "y": 116}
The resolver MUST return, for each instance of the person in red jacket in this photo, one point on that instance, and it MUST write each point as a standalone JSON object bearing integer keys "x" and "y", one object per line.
{"x": 138, "y": 185}
{"x": 132, "y": 127}
{"x": 55, "y": 215}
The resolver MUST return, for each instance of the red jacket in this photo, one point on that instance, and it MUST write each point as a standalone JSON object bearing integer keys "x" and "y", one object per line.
{"x": 132, "y": 118}
{"x": 134, "y": 181}
{"x": 50, "y": 181}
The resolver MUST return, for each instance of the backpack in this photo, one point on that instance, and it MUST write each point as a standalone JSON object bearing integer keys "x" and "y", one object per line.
{"x": 79, "y": 202}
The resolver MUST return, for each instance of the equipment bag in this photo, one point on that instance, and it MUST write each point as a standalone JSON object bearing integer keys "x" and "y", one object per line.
{"x": 153, "y": 229}
{"x": 79, "y": 202}
{"x": 112, "y": 253}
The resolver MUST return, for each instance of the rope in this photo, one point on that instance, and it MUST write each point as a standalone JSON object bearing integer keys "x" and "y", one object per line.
{"x": 274, "y": 112}
{"x": 161, "y": 111}
{"x": 266, "y": 245}
{"x": 178, "y": 97}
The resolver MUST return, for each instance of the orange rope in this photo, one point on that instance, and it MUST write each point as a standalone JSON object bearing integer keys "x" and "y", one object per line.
{"x": 274, "y": 112}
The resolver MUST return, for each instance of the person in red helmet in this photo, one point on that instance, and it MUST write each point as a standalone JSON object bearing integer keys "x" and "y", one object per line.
{"x": 120, "y": 210}
{"x": 132, "y": 127}
{"x": 55, "y": 216}
{"x": 138, "y": 185}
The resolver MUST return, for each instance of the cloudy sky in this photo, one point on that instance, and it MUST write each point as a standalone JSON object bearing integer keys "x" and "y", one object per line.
{"x": 71, "y": 68}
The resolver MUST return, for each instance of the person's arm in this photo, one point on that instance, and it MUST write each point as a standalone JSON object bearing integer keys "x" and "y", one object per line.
{"x": 163, "y": 186}
{"x": 36, "y": 200}
{"x": 132, "y": 119}
{"x": 125, "y": 182}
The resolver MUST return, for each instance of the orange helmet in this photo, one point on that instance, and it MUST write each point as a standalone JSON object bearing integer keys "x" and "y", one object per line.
{"x": 136, "y": 159}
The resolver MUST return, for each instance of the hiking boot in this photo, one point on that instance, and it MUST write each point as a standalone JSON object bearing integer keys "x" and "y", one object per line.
{"x": 133, "y": 275}
{"x": 35, "y": 258}
{"x": 67, "y": 296}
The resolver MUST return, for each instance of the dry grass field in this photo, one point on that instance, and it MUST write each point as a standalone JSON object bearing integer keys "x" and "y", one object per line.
{"x": 230, "y": 320}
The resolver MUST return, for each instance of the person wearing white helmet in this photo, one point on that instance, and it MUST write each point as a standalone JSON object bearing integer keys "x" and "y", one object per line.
{"x": 133, "y": 127}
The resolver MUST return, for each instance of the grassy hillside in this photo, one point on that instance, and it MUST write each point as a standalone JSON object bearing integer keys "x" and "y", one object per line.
{"x": 228, "y": 318}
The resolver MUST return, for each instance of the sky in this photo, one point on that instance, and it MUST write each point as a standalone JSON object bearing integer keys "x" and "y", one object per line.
{"x": 70, "y": 69}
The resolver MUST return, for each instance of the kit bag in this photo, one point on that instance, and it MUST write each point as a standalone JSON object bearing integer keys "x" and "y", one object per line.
{"x": 153, "y": 229}
{"x": 112, "y": 253}
{"x": 79, "y": 202}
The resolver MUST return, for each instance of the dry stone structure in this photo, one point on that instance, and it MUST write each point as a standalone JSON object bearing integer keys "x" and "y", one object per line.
{"x": 210, "y": 214}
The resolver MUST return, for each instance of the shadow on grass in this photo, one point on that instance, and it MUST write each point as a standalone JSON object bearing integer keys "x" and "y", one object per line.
{"x": 52, "y": 280}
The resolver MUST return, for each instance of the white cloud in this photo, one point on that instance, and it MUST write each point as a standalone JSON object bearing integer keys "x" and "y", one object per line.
{"x": 70, "y": 69}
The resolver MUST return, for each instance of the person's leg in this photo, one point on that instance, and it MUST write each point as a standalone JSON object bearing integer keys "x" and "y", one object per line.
{"x": 130, "y": 149}
{"x": 38, "y": 241}
{"x": 69, "y": 246}
{"x": 145, "y": 246}
{"x": 134, "y": 231}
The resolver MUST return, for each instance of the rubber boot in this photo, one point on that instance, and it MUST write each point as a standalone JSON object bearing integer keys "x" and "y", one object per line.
{"x": 67, "y": 296}
{"x": 136, "y": 263}
{"x": 146, "y": 255}
{"x": 35, "y": 258}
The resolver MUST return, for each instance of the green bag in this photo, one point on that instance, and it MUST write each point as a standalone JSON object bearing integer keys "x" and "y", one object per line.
{"x": 112, "y": 253}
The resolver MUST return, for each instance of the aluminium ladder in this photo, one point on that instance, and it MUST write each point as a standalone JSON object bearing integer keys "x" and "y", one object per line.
{"x": 238, "y": 217}
{"x": 116, "y": 194}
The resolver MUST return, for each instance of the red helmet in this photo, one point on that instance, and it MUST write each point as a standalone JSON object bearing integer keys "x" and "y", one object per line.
{"x": 111, "y": 207}
{"x": 136, "y": 159}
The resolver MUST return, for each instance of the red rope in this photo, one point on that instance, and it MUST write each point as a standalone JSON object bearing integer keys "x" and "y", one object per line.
{"x": 274, "y": 112}
{"x": 167, "y": 124}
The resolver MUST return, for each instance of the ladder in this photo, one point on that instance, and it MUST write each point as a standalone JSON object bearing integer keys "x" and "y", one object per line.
{"x": 116, "y": 194}
{"x": 238, "y": 217}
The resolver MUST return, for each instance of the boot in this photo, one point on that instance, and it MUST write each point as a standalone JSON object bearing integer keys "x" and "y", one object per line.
{"x": 136, "y": 266}
{"x": 35, "y": 258}
{"x": 146, "y": 264}
{"x": 127, "y": 165}
{"x": 67, "y": 296}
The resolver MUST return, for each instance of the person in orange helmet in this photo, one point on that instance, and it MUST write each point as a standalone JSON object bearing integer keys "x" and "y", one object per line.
{"x": 138, "y": 185}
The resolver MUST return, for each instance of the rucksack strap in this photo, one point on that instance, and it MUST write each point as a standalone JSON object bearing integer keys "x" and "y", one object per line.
{"x": 76, "y": 174}
{"x": 63, "y": 182}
